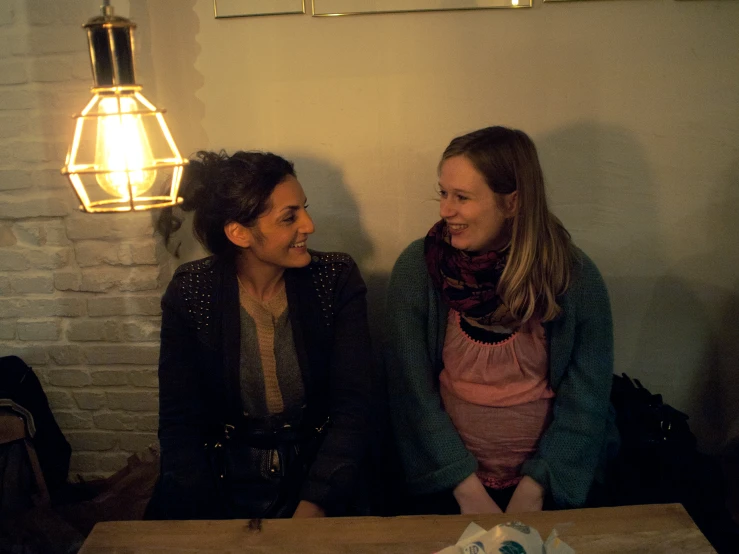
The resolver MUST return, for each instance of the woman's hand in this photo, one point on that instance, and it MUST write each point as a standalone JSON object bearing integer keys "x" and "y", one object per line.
{"x": 528, "y": 497}
{"x": 473, "y": 498}
{"x": 308, "y": 509}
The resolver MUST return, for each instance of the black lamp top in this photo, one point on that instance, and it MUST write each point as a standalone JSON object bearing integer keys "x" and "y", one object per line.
{"x": 110, "y": 38}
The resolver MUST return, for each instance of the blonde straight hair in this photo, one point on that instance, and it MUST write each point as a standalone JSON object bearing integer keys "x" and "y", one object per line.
{"x": 539, "y": 266}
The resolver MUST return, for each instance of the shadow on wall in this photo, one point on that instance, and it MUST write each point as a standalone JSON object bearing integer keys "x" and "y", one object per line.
{"x": 720, "y": 257}
{"x": 668, "y": 323}
{"x": 601, "y": 187}
{"x": 693, "y": 335}
{"x": 338, "y": 222}
{"x": 166, "y": 54}
{"x": 334, "y": 210}
{"x": 675, "y": 324}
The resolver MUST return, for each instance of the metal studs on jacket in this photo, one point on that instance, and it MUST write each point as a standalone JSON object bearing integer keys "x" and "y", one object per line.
{"x": 326, "y": 269}
{"x": 195, "y": 281}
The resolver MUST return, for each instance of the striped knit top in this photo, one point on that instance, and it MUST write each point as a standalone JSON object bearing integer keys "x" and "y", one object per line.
{"x": 271, "y": 382}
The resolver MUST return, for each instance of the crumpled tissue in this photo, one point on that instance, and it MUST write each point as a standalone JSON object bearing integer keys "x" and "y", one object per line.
{"x": 507, "y": 538}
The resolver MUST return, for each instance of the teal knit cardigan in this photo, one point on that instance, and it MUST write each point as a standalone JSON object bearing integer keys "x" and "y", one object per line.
{"x": 573, "y": 450}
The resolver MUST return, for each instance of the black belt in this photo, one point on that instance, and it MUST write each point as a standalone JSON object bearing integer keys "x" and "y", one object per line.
{"x": 264, "y": 432}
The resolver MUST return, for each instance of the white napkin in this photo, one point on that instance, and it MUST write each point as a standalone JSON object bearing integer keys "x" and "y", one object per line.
{"x": 507, "y": 538}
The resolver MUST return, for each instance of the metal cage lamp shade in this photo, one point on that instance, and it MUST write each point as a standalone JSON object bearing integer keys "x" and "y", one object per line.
{"x": 122, "y": 157}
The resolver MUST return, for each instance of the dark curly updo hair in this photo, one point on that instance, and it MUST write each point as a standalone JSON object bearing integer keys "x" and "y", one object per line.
{"x": 221, "y": 189}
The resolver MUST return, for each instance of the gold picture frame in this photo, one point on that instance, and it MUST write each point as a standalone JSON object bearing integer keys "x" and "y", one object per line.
{"x": 333, "y": 8}
{"x": 248, "y": 8}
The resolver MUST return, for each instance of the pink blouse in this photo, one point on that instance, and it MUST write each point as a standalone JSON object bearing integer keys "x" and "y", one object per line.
{"x": 498, "y": 397}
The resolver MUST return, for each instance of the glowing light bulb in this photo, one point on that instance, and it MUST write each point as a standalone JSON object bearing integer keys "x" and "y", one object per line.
{"x": 123, "y": 149}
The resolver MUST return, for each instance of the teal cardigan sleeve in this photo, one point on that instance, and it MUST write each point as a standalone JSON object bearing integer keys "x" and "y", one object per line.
{"x": 433, "y": 454}
{"x": 581, "y": 369}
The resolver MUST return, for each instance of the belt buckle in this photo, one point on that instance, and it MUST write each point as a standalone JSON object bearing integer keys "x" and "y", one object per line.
{"x": 227, "y": 430}
{"x": 323, "y": 425}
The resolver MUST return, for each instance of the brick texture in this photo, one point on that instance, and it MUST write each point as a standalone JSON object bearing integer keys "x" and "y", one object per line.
{"x": 7, "y": 237}
{"x": 89, "y": 400}
{"x": 109, "y": 377}
{"x": 28, "y": 284}
{"x": 39, "y": 330}
{"x": 115, "y": 421}
{"x": 14, "y": 179}
{"x": 133, "y": 401}
{"x": 4, "y": 286}
{"x": 7, "y": 329}
{"x": 124, "y": 305}
{"x": 41, "y": 232}
{"x": 79, "y": 293}
{"x": 90, "y": 330}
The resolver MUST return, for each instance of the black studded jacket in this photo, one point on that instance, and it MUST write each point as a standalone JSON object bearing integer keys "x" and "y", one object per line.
{"x": 199, "y": 375}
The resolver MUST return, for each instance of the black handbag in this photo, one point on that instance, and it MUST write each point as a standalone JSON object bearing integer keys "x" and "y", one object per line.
{"x": 659, "y": 462}
{"x": 260, "y": 467}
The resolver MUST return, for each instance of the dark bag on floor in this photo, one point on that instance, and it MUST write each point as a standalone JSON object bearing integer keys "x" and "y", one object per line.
{"x": 659, "y": 462}
{"x": 19, "y": 384}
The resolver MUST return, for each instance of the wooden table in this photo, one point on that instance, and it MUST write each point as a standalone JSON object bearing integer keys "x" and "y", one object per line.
{"x": 630, "y": 529}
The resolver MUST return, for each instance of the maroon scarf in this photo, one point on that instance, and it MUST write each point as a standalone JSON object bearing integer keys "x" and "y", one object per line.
{"x": 467, "y": 282}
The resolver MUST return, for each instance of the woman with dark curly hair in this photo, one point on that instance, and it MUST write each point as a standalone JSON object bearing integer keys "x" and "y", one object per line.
{"x": 264, "y": 370}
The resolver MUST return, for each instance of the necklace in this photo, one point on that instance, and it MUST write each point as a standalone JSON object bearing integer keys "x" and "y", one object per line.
{"x": 245, "y": 290}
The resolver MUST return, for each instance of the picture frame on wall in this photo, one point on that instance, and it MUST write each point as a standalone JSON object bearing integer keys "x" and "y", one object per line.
{"x": 246, "y": 8}
{"x": 329, "y": 8}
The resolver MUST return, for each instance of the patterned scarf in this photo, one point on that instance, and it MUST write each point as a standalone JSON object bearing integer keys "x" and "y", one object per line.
{"x": 467, "y": 282}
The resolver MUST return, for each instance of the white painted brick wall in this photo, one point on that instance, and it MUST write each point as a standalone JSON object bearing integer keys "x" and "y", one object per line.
{"x": 79, "y": 294}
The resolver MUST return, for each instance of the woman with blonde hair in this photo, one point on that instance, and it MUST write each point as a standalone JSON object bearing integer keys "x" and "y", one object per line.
{"x": 500, "y": 345}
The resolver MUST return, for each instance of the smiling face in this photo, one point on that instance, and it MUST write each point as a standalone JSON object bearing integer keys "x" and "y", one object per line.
{"x": 278, "y": 240}
{"x": 475, "y": 215}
